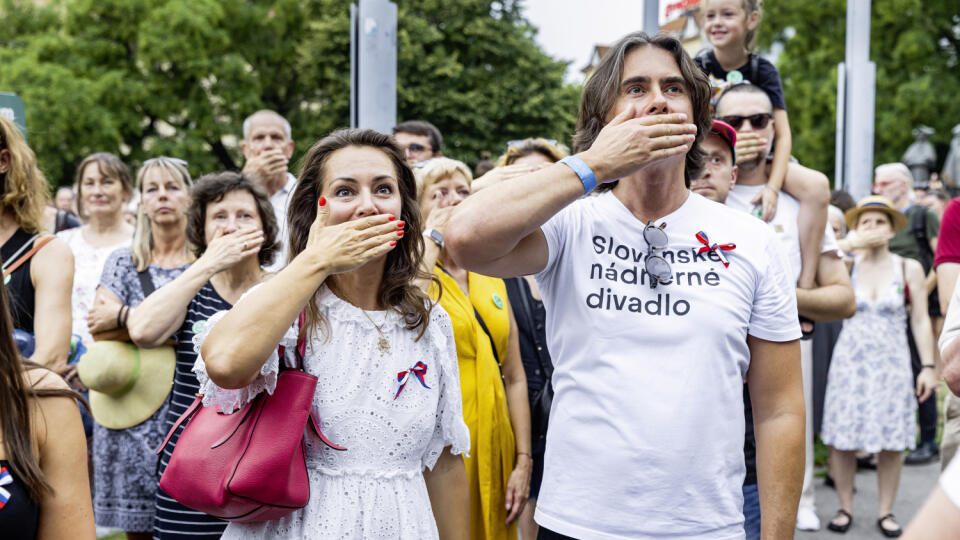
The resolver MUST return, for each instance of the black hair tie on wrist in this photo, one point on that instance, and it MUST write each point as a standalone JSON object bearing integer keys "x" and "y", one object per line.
{"x": 121, "y": 320}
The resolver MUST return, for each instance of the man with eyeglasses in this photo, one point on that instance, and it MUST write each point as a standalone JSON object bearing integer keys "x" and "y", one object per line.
{"x": 721, "y": 180}
{"x": 659, "y": 303}
{"x": 267, "y": 148}
{"x": 419, "y": 139}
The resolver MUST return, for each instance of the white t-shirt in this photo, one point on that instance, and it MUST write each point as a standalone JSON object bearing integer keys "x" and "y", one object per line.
{"x": 646, "y": 428}
{"x": 280, "y": 201}
{"x": 784, "y": 224}
{"x": 950, "y": 482}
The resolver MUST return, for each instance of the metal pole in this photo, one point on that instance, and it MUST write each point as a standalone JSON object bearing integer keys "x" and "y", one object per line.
{"x": 651, "y": 17}
{"x": 373, "y": 66}
{"x": 838, "y": 180}
{"x": 860, "y": 97}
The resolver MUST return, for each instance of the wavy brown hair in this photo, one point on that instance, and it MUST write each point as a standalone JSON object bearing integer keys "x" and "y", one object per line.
{"x": 212, "y": 188}
{"x": 17, "y": 400}
{"x": 397, "y": 291}
{"x": 25, "y": 190}
{"x": 601, "y": 91}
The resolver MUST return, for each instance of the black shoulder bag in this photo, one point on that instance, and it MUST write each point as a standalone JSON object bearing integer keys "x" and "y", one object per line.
{"x": 541, "y": 403}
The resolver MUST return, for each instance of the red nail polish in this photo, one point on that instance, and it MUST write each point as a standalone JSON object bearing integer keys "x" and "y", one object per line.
{"x": 391, "y": 218}
{"x": 322, "y": 201}
{"x": 401, "y": 224}
{"x": 399, "y": 233}
{"x": 392, "y": 244}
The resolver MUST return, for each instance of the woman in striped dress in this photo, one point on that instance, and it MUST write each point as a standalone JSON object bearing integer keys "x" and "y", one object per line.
{"x": 232, "y": 229}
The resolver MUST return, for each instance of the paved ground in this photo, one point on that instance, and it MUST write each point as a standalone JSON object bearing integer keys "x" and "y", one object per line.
{"x": 916, "y": 483}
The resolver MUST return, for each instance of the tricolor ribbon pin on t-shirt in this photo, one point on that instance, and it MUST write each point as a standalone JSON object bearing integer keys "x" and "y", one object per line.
{"x": 419, "y": 370}
{"x": 717, "y": 248}
{"x": 5, "y": 479}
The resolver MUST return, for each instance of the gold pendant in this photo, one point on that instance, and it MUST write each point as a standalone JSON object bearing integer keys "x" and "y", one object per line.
{"x": 384, "y": 345}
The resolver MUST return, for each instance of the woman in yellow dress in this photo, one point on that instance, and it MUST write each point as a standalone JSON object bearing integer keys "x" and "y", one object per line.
{"x": 492, "y": 380}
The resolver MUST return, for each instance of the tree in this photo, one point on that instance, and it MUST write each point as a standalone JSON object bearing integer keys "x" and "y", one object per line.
{"x": 177, "y": 77}
{"x": 915, "y": 45}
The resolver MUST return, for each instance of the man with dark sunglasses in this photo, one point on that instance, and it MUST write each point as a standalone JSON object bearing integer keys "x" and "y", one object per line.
{"x": 659, "y": 303}
{"x": 419, "y": 139}
{"x": 831, "y": 299}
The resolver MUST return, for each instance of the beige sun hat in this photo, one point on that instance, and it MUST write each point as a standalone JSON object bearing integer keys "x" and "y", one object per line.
{"x": 127, "y": 384}
{"x": 878, "y": 203}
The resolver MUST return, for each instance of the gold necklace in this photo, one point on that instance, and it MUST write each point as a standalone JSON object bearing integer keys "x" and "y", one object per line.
{"x": 383, "y": 343}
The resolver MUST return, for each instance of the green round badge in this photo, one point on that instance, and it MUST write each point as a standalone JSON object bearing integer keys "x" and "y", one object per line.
{"x": 198, "y": 327}
{"x": 734, "y": 76}
{"x": 497, "y": 301}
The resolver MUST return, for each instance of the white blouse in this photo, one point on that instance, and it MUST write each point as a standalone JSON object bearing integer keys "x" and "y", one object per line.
{"x": 374, "y": 489}
{"x": 88, "y": 264}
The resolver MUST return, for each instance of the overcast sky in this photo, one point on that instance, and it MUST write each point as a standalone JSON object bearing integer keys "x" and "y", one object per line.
{"x": 570, "y": 28}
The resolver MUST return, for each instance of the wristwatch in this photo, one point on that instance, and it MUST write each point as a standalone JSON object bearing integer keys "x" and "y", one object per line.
{"x": 434, "y": 235}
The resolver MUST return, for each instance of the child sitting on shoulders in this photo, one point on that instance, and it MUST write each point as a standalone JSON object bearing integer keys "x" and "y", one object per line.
{"x": 730, "y": 26}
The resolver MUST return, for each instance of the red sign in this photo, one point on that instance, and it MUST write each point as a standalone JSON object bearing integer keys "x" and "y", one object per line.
{"x": 681, "y": 5}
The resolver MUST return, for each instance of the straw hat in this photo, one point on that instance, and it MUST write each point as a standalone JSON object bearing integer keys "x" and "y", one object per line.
{"x": 127, "y": 384}
{"x": 876, "y": 202}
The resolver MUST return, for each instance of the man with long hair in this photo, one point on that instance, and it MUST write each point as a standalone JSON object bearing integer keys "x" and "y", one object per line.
{"x": 659, "y": 304}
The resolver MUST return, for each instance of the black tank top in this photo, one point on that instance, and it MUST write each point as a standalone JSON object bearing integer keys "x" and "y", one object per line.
{"x": 19, "y": 514}
{"x": 20, "y": 290}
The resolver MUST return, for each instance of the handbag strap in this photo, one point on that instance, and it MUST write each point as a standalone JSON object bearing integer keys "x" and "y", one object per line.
{"x": 146, "y": 283}
{"x": 37, "y": 245}
{"x": 191, "y": 410}
{"x": 483, "y": 325}
{"x": 525, "y": 294}
{"x": 301, "y": 349}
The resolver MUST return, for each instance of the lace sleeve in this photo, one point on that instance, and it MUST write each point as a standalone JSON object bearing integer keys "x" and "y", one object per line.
{"x": 230, "y": 400}
{"x": 450, "y": 429}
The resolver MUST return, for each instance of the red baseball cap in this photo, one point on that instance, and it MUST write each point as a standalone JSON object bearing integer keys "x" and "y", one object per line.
{"x": 727, "y": 133}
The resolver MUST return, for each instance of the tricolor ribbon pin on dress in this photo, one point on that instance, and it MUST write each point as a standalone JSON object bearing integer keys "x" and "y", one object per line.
{"x": 5, "y": 479}
{"x": 717, "y": 248}
{"x": 419, "y": 370}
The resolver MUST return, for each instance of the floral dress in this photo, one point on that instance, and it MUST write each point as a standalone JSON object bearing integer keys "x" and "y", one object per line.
{"x": 124, "y": 460}
{"x": 870, "y": 403}
{"x": 374, "y": 489}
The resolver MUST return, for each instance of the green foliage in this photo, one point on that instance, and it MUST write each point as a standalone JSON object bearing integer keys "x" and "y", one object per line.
{"x": 177, "y": 77}
{"x": 915, "y": 45}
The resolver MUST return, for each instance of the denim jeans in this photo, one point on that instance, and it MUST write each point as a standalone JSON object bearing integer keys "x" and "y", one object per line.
{"x": 751, "y": 512}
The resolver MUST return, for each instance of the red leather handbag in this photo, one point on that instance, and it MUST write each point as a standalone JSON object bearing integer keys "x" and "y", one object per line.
{"x": 247, "y": 466}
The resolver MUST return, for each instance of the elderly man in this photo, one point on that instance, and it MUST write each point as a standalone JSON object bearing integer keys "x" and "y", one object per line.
{"x": 419, "y": 139}
{"x": 722, "y": 181}
{"x": 659, "y": 304}
{"x": 267, "y": 148}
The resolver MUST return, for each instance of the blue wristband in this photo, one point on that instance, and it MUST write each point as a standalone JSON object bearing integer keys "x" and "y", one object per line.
{"x": 583, "y": 171}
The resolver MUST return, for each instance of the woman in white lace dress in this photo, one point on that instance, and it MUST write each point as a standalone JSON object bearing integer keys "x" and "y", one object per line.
{"x": 351, "y": 272}
{"x": 104, "y": 185}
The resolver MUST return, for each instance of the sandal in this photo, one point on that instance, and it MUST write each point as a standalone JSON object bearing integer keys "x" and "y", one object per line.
{"x": 889, "y": 533}
{"x": 833, "y": 526}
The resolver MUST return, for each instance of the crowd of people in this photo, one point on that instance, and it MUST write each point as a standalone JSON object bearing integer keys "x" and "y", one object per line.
{"x": 638, "y": 336}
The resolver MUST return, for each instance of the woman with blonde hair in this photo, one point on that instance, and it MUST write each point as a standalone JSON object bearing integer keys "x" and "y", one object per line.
{"x": 492, "y": 379}
{"x": 37, "y": 267}
{"x": 125, "y": 484}
{"x": 525, "y": 156}
{"x": 522, "y": 157}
